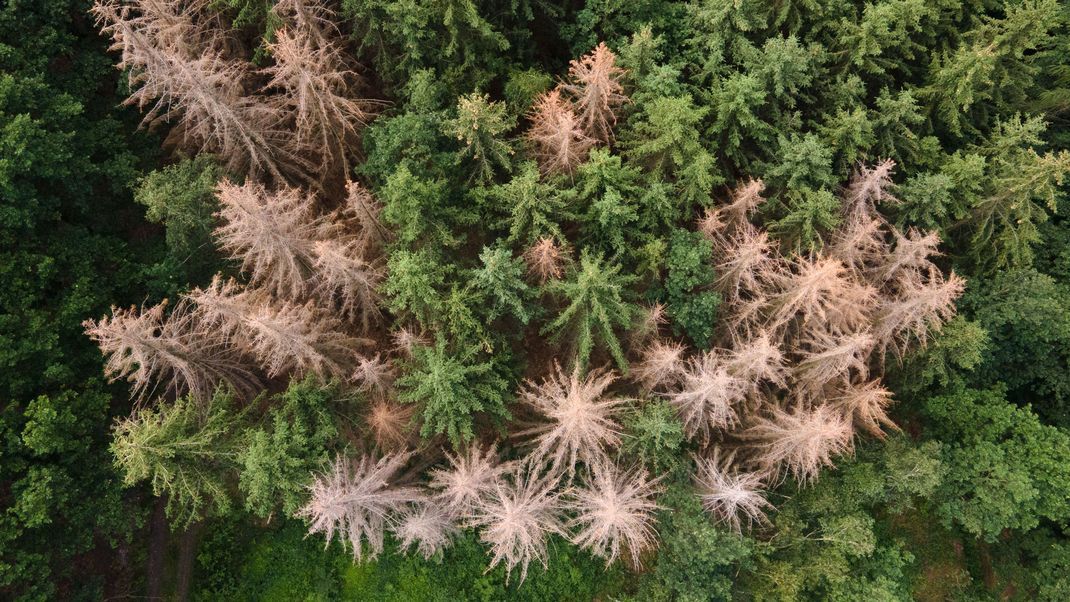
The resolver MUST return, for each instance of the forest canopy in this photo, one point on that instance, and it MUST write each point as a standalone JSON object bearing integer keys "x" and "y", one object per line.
{"x": 644, "y": 300}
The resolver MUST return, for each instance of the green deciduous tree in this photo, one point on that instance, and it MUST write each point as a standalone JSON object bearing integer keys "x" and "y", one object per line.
{"x": 690, "y": 303}
{"x": 1006, "y": 470}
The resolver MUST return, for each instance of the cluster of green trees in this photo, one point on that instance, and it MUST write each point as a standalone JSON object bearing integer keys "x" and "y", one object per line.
{"x": 503, "y": 248}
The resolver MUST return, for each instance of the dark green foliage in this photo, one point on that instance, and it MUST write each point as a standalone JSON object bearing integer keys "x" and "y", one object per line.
{"x": 688, "y": 275}
{"x": 830, "y": 545}
{"x": 281, "y": 455}
{"x": 947, "y": 361}
{"x": 413, "y": 283}
{"x": 1027, "y": 318}
{"x": 68, "y": 160}
{"x": 182, "y": 198}
{"x": 969, "y": 99}
{"x": 1006, "y": 469}
{"x": 696, "y": 561}
{"x": 451, "y": 386}
{"x": 281, "y": 564}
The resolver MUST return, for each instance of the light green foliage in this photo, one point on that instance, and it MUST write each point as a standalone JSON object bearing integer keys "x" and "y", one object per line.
{"x": 829, "y": 544}
{"x": 185, "y": 450}
{"x": 803, "y": 161}
{"x": 995, "y": 65}
{"x": 1023, "y": 188}
{"x": 690, "y": 304}
{"x": 280, "y": 456}
{"x": 886, "y": 28}
{"x": 809, "y": 216}
{"x": 451, "y": 386}
{"x": 479, "y": 127}
{"x": 501, "y": 280}
{"x": 1005, "y": 469}
{"x": 654, "y": 435}
{"x": 596, "y": 306}
{"x": 413, "y": 283}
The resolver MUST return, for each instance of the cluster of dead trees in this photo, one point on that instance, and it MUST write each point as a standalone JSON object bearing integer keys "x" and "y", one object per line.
{"x": 794, "y": 379}
{"x": 794, "y": 375}
{"x": 569, "y": 120}
{"x": 297, "y": 120}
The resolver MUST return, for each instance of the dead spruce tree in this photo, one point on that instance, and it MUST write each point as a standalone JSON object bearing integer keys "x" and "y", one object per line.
{"x": 355, "y": 500}
{"x": 197, "y": 89}
{"x": 614, "y": 511}
{"x": 149, "y": 347}
{"x": 312, "y": 88}
{"x": 597, "y": 92}
{"x": 805, "y": 336}
{"x": 579, "y": 422}
{"x": 515, "y": 519}
{"x": 557, "y": 135}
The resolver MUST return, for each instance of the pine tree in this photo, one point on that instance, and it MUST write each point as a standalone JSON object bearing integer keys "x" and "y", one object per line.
{"x": 810, "y": 215}
{"x": 479, "y": 127}
{"x": 426, "y": 526}
{"x": 534, "y": 209}
{"x": 345, "y": 282}
{"x": 799, "y": 442}
{"x": 707, "y": 397}
{"x": 451, "y": 387}
{"x": 203, "y": 90}
{"x": 596, "y": 307}
{"x": 545, "y": 260}
{"x": 471, "y": 476}
{"x": 733, "y": 497}
{"x": 186, "y": 450}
